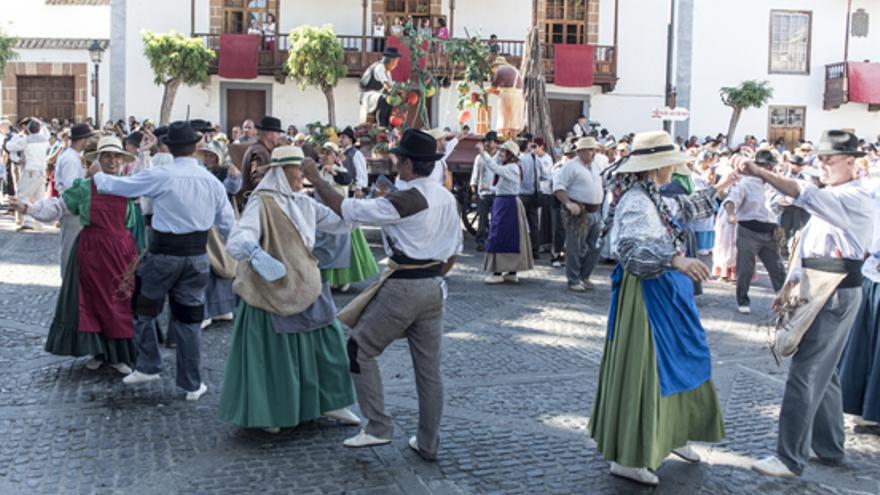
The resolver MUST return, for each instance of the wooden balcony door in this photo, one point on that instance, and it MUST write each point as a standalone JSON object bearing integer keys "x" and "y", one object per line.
{"x": 243, "y": 104}
{"x": 787, "y": 123}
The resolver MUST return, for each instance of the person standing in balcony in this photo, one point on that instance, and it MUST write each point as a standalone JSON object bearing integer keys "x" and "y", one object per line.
{"x": 379, "y": 34}
{"x": 396, "y": 27}
{"x": 442, "y": 30}
{"x": 269, "y": 32}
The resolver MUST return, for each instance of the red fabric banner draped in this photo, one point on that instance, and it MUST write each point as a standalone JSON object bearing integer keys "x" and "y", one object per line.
{"x": 573, "y": 65}
{"x": 864, "y": 82}
{"x": 239, "y": 56}
{"x": 401, "y": 72}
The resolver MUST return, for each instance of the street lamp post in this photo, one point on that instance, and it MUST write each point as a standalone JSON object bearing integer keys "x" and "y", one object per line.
{"x": 96, "y": 52}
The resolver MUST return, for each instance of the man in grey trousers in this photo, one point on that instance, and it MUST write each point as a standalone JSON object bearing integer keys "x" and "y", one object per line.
{"x": 834, "y": 240}
{"x": 423, "y": 236}
{"x": 187, "y": 201}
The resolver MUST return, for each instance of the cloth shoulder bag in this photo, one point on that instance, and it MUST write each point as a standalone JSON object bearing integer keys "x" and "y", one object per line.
{"x": 296, "y": 291}
{"x": 222, "y": 265}
{"x": 351, "y": 313}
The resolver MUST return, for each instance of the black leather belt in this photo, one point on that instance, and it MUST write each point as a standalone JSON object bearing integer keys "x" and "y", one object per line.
{"x": 852, "y": 269}
{"x": 427, "y": 268}
{"x": 191, "y": 244}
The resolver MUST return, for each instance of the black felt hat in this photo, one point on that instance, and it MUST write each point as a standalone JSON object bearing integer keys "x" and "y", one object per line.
{"x": 491, "y": 136}
{"x": 181, "y": 133}
{"x": 837, "y": 142}
{"x": 200, "y": 125}
{"x": 269, "y": 124}
{"x": 766, "y": 158}
{"x": 391, "y": 52}
{"x": 418, "y": 146}
{"x": 348, "y": 131}
{"x": 81, "y": 131}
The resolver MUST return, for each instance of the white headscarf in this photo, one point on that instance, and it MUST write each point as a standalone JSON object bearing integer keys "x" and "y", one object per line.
{"x": 295, "y": 205}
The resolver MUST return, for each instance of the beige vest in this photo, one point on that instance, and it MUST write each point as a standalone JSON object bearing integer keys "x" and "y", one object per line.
{"x": 296, "y": 291}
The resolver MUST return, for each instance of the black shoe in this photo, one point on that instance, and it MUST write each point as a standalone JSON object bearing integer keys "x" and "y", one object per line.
{"x": 481, "y": 247}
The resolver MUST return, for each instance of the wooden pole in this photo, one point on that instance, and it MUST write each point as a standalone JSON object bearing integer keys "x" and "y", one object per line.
{"x": 192, "y": 17}
{"x": 364, "y": 33}
{"x": 537, "y": 109}
{"x": 275, "y": 55}
{"x": 846, "y": 35}
{"x": 452, "y": 18}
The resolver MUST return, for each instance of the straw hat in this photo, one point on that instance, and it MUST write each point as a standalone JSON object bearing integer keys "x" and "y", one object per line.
{"x": 330, "y": 145}
{"x": 652, "y": 150}
{"x": 286, "y": 156}
{"x": 499, "y": 61}
{"x": 109, "y": 144}
{"x": 215, "y": 148}
{"x": 510, "y": 146}
{"x": 586, "y": 143}
{"x": 836, "y": 142}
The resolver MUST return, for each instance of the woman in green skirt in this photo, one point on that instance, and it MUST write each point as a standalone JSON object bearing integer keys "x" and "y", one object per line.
{"x": 93, "y": 315}
{"x": 655, "y": 389}
{"x": 343, "y": 259}
{"x": 288, "y": 363}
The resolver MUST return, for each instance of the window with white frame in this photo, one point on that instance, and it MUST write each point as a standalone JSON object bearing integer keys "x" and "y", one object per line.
{"x": 790, "y": 41}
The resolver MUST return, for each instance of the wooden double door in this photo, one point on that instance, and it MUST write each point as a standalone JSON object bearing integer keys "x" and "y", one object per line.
{"x": 243, "y": 104}
{"x": 564, "y": 115}
{"x": 46, "y": 97}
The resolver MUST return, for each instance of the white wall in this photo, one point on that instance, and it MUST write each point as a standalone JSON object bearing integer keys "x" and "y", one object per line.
{"x": 510, "y": 20}
{"x": 727, "y": 53}
{"x": 346, "y": 16}
{"x": 35, "y": 19}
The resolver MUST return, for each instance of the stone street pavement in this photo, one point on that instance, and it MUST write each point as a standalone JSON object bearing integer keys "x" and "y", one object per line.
{"x": 520, "y": 365}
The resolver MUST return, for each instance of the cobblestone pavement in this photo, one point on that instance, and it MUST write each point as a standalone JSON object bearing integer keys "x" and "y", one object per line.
{"x": 520, "y": 365}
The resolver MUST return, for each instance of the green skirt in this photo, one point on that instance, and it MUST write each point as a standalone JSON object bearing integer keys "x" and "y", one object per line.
{"x": 363, "y": 265}
{"x": 64, "y": 337}
{"x": 139, "y": 229}
{"x": 631, "y": 423}
{"x": 282, "y": 380}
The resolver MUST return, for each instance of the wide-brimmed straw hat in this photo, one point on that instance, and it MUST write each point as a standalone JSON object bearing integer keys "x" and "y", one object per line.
{"x": 586, "y": 143}
{"x": 510, "y": 146}
{"x": 330, "y": 145}
{"x": 286, "y": 156}
{"x": 837, "y": 142}
{"x": 109, "y": 144}
{"x": 652, "y": 150}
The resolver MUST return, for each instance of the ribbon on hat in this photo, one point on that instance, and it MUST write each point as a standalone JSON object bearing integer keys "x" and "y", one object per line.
{"x": 655, "y": 149}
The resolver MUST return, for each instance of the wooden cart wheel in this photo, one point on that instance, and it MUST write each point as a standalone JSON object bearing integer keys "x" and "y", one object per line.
{"x": 469, "y": 216}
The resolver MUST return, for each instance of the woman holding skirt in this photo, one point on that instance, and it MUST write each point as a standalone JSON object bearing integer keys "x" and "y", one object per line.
{"x": 93, "y": 316}
{"x": 508, "y": 249}
{"x": 344, "y": 259}
{"x": 655, "y": 390}
{"x": 288, "y": 362}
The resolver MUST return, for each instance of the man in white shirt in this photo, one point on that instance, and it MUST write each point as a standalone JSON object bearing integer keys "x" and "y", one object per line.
{"x": 834, "y": 240}
{"x": 545, "y": 187}
{"x": 482, "y": 179}
{"x": 354, "y": 161}
{"x": 33, "y": 148}
{"x": 581, "y": 129}
{"x": 69, "y": 169}
{"x": 579, "y": 188}
{"x": 749, "y": 205}
{"x": 422, "y": 232}
{"x": 375, "y": 84}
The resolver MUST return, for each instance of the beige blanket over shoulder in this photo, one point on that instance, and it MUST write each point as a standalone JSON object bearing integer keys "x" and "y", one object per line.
{"x": 222, "y": 265}
{"x": 296, "y": 291}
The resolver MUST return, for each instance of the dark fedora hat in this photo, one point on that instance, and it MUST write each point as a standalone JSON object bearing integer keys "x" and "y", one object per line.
{"x": 836, "y": 142}
{"x": 81, "y": 131}
{"x": 391, "y": 52}
{"x": 418, "y": 146}
{"x": 348, "y": 131}
{"x": 797, "y": 160}
{"x": 200, "y": 125}
{"x": 491, "y": 136}
{"x": 269, "y": 124}
{"x": 161, "y": 132}
{"x": 181, "y": 133}
{"x": 766, "y": 158}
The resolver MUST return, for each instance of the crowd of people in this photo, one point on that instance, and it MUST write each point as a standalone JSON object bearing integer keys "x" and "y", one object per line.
{"x": 159, "y": 220}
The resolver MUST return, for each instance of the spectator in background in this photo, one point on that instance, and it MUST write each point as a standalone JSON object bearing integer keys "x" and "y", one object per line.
{"x": 581, "y": 128}
{"x": 250, "y": 133}
{"x": 442, "y": 30}
{"x": 33, "y": 147}
{"x": 396, "y": 28}
{"x": 292, "y": 131}
{"x": 425, "y": 28}
{"x": 236, "y": 134}
{"x": 269, "y": 32}
{"x": 494, "y": 47}
{"x": 379, "y": 34}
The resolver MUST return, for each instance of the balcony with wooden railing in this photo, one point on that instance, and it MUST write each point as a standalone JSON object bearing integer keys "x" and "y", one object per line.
{"x": 837, "y": 87}
{"x": 362, "y": 51}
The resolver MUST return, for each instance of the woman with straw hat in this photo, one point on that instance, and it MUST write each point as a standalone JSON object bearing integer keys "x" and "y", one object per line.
{"x": 346, "y": 258}
{"x": 655, "y": 389}
{"x": 287, "y": 363}
{"x": 93, "y": 316}
{"x": 509, "y": 249}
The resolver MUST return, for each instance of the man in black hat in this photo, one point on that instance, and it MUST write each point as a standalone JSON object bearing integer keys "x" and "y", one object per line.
{"x": 69, "y": 169}
{"x": 354, "y": 161}
{"x": 421, "y": 225}
{"x": 749, "y": 205}
{"x": 187, "y": 201}
{"x": 834, "y": 243}
{"x": 259, "y": 153}
{"x": 375, "y": 84}
{"x": 482, "y": 180}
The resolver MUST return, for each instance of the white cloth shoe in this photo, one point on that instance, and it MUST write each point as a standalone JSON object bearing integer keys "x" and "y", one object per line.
{"x": 414, "y": 443}
{"x": 364, "y": 439}
{"x": 344, "y": 416}
{"x": 687, "y": 453}
{"x": 860, "y": 421}
{"x": 744, "y": 310}
{"x": 206, "y": 323}
{"x": 577, "y": 287}
{"x": 511, "y": 278}
{"x": 194, "y": 396}
{"x": 588, "y": 285}
{"x": 772, "y": 466}
{"x": 93, "y": 364}
{"x": 225, "y": 317}
{"x": 136, "y": 378}
{"x": 494, "y": 280}
{"x": 639, "y": 475}
{"x": 121, "y": 368}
